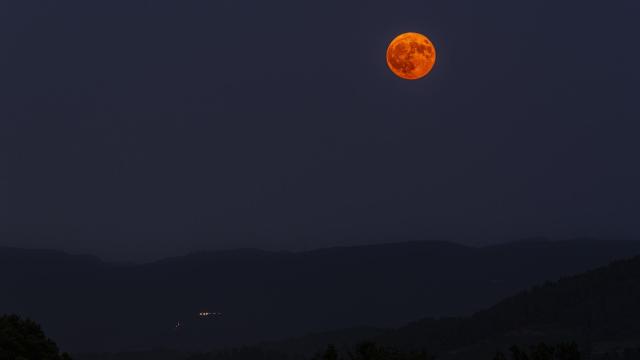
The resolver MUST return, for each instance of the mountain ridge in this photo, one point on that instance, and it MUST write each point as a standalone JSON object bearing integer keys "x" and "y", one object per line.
{"x": 265, "y": 296}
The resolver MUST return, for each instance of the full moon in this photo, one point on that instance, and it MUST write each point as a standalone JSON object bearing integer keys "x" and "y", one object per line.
{"x": 411, "y": 56}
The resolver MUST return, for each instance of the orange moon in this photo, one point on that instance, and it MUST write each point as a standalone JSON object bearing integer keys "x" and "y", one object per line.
{"x": 411, "y": 56}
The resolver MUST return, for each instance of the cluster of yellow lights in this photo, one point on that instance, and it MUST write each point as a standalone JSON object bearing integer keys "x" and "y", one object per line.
{"x": 208, "y": 314}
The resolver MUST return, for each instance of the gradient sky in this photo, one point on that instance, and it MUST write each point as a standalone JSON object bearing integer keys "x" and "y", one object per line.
{"x": 139, "y": 129}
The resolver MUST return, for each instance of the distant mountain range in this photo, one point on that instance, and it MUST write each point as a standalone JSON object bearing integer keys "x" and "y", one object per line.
{"x": 88, "y": 305}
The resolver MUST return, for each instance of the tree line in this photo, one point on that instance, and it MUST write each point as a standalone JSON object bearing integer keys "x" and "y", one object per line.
{"x": 23, "y": 339}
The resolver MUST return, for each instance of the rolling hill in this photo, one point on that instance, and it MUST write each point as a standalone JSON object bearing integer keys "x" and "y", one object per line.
{"x": 89, "y": 305}
{"x": 597, "y": 309}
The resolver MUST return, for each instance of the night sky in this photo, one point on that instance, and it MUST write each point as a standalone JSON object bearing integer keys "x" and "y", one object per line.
{"x": 138, "y": 129}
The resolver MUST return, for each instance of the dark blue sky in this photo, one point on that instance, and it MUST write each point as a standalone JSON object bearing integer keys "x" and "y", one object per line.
{"x": 137, "y": 129}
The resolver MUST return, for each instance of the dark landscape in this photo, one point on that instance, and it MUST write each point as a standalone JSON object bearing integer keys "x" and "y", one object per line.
{"x": 103, "y": 308}
{"x": 319, "y": 180}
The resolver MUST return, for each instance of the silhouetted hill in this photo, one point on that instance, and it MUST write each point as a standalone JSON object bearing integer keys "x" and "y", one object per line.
{"x": 88, "y": 305}
{"x": 598, "y": 309}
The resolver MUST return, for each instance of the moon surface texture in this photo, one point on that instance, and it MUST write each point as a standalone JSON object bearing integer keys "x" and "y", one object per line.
{"x": 411, "y": 56}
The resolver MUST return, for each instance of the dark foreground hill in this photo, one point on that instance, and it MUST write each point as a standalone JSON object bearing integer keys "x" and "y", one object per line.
{"x": 87, "y": 305}
{"x": 598, "y": 310}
